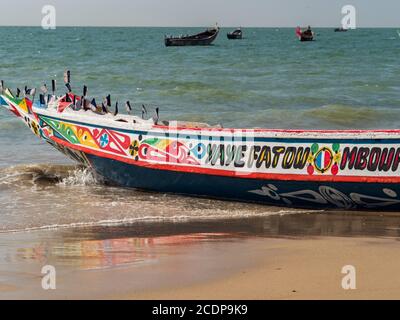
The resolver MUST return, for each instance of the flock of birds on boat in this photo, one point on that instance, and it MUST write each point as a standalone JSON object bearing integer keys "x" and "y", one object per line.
{"x": 208, "y": 36}
{"x": 75, "y": 102}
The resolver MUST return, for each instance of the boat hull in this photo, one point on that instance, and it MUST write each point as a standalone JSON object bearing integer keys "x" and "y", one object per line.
{"x": 347, "y": 170}
{"x": 306, "y": 38}
{"x": 192, "y": 41}
{"x": 232, "y": 36}
{"x": 300, "y": 194}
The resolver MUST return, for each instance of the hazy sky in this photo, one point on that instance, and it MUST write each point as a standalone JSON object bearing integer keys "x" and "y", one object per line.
{"x": 261, "y": 13}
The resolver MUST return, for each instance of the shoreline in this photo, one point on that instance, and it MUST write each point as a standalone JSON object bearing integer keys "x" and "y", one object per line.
{"x": 277, "y": 257}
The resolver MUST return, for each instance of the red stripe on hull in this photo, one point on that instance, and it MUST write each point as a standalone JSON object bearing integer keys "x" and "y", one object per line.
{"x": 227, "y": 173}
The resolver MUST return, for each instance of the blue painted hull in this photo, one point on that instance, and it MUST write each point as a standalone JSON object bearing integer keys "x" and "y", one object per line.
{"x": 300, "y": 194}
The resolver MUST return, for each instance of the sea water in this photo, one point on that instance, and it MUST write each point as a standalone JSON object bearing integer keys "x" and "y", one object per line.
{"x": 269, "y": 79}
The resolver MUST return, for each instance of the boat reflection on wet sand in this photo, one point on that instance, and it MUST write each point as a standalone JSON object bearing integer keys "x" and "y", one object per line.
{"x": 142, "y": 259}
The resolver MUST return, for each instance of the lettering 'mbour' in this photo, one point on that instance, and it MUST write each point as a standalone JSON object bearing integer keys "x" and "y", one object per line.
{"x": 371, "y": 159}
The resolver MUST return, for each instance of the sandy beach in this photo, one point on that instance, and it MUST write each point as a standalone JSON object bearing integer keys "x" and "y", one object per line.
{"x": 256, "y": 258}
{"x": 303, "y": 269}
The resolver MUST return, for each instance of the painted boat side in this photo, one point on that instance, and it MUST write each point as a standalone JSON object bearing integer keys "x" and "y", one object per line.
{"x": 114, "y": 151}
{"x": 301, "y": 194}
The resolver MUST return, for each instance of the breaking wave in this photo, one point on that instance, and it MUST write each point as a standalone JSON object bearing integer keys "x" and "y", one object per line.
{"x": 79, "y": 177}
{"x": 156, "y": 219}
{"x": 46, "y": 175}
{"x": 45, "y": 197}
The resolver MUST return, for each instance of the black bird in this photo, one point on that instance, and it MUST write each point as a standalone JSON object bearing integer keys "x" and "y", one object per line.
{"x": 82, "y": 103}
{"x": 85, "y": 90}
{"x": 67, "y": 98}
{"x": 68, "y": 87}
{"x": 93, "y": 105}
{"x": 42, "y": 100}
{"x": 67, "y": 80}
{"x": 104, "y": 108}
{"x": 18, "y": 92}
{"x": 144, "y": 111}
{"x": 156, "y": 116}
{"x": 31, "y": 92}
{"x": 67, "y": 76}
{"x": 128, "y": 107}
{"x": 53, "y": 86}
{"x": 116, "y": 109}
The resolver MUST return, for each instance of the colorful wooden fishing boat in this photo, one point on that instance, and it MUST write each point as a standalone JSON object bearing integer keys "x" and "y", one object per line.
{"x": 305, "y": 35}
{"x": 205, "y": 38}
{"x": 348, "y": 170}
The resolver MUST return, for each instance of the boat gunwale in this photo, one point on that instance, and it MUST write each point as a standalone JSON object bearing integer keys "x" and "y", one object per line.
{"x": 286, "y": 133}
{"x": 325, "y": 134}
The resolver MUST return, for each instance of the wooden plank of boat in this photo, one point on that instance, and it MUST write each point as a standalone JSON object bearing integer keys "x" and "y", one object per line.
{"x": 345, "y": 169}
{"x": 305, "y": 37}
{"x": 201, "y": 39}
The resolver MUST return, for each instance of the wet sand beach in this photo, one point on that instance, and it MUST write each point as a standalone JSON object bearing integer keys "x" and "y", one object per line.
{"x": 293, "y": 256}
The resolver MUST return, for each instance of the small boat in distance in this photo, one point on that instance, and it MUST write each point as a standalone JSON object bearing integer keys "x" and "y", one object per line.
{"x": 341, "y": 29}
{"x": 235, "y": 35}
{"x": 201, "y": 39}
{"x": 305, "y": 35}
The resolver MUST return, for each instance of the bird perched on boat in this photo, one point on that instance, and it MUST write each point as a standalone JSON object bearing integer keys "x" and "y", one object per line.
{"x": 30, "y": 92}
{"x": 18, "y": 92}
{"x": 42, "y": 99}
{"x": 85, "y": 91}
{"x": 81, "y": 103}
{"x": 128, "y": 107}
{"x": 104, "y": 107}
{"x": 106, "y": 104}
{"x": 68, "y": 87}
{"x": 156, "y": 116}
{"x": 1, "y": 86}
{"x": 74, "y": 103}
{"x": 93, "y": 105}
{"x": 67, "y": 76}
{"x": 67, "y": 98}
{"x": 44, "y": 89}
{"x": 144, "y": 111}
{"x": 116, "y": 109}
{"x": 67, "y": 80}
{"x": 53, "y": 87}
